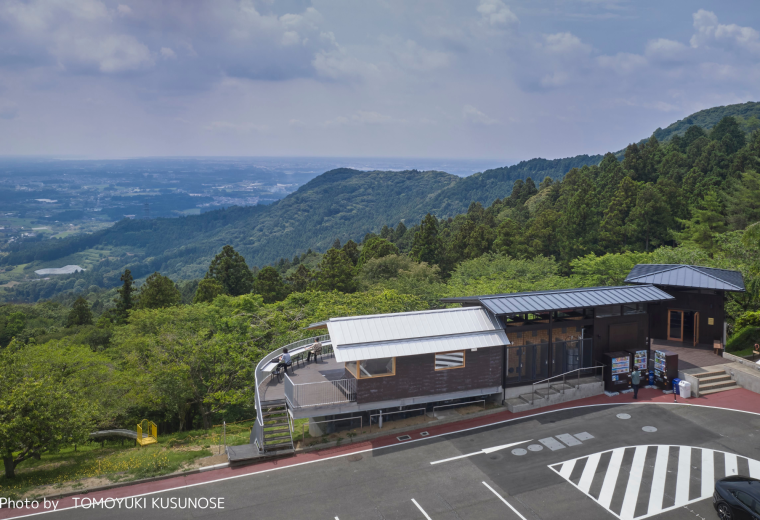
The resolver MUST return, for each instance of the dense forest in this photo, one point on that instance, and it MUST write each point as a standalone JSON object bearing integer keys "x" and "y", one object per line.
{"x": 182, "y": 353}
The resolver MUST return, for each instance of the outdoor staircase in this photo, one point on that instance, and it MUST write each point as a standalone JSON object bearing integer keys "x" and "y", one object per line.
{"x": 555, "y": 393}
{"x": 278, "y": 437}
{"x": 714, "y": 382}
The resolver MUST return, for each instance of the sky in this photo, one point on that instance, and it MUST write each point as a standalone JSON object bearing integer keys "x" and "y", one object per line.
{"x": 496, "y": 79}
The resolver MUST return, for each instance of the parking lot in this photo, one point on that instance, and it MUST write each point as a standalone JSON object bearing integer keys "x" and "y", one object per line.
{"x": 628, "y": 461}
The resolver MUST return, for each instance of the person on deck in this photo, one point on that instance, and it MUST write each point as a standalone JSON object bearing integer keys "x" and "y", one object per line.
{"x": 635, "y": 381}
{"x": 314, "y": 350}
{"x": 284, "y": 360}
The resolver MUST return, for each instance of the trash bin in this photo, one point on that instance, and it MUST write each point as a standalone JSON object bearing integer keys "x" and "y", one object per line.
{"x": 651, "y": 378}
{"x": 676, "y": 388}
{"x": 684, "y": 389}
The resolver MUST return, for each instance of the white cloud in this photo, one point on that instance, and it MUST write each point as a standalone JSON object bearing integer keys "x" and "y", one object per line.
{"x": 8, "y": 110}
{"x": 338, "y": 64}
{"x": 109, "y": 54}
{"x": 663, "y": 49}
{"x": 565, "y": 43}
{"x": 412, "y": 56}
{"x": 168, "y": 53}
{"x": 123, "y": 10}
{"x": 623, "y": 62}
{"x": 228, "y": 126}
{"x": 710, "y": 32}
{"x": 495, "y": 13}
{"x": 473, "y": 115}
{"x": 363, "y": 117}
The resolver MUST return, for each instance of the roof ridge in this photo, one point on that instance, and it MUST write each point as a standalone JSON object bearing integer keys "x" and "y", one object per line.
{"x": 670, "y": 268}
{"x": 554, "y": 291}
{"x": 695, "y": 268}
{"x": 405, "y": 313}
{"x": 420, "y": 338}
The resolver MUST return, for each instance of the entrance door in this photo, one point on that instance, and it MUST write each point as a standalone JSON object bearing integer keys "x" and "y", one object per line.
{"x": 696, "y": 328}
{"x": 675, "y": 325}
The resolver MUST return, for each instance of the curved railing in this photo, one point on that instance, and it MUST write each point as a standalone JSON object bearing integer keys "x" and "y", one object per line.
{"x": 260, "y": 375}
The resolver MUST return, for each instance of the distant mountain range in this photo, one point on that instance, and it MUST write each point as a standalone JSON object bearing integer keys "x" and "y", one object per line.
{"x": 341, "y": 203}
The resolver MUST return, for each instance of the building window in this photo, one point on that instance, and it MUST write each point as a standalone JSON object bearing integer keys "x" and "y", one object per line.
{"x": 380, "y": 367}
{"x": 634, "y": 308}
{"x": 449, "y": 360}
{"x": 607, "y": 310}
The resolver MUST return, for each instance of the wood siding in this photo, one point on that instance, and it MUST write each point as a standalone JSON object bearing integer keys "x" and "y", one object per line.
{"x": 617, "y": 333}
{"x": 708, "y": 306}
{"x": 416, "y": 376}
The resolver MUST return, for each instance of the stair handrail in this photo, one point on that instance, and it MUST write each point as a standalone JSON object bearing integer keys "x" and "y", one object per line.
{"x": 564, "y": 378}
{"x": 259, "y": 373}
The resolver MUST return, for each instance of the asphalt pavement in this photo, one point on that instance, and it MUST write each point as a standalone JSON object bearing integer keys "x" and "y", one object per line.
{"x": 627, "y": 461}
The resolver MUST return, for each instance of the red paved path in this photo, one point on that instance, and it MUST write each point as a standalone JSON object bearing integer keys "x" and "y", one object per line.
{"x": 739, "y": 399}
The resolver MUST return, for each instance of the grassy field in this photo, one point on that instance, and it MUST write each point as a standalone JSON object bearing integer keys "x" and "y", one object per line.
{"x": 96, "y": 464}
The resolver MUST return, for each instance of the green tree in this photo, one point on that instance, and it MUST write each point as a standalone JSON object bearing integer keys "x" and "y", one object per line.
{"x": 336, "y": 272}
{"x": 208, "y": 289}
{"x": 301, "y": 279}
{"x": 706, "y": 222}
{"x": 43, "y": 404}
{"x": 229, "y": 269}
{"x": 428, "y": 246}
{"x": 158, "y": 292}
{"x": 729, "y": 133}
{"x": 124, "y": 300}
{"x": 376, "y": 247}
{"x": 650, "y": 217}
{"x": 11, "y": 327}
{"x": 80, "y": 313}
{"x": 351, "y": 249}
{"x": 743, "y": 200}
{"x": 614, "y": 233}
{"x": 269, "y": 285}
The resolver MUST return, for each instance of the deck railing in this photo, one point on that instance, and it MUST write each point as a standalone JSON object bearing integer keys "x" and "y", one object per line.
{"x": 317, "y": 394}
{"x": 260, "y": 375}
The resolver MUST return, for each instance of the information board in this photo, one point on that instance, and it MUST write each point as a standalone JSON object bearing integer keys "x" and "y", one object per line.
{"x": 620, "y": 365}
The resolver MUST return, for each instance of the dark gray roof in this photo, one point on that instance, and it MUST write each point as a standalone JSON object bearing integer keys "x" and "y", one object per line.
{"x": 539, "y": 301}
{"x": 676, "y": 275}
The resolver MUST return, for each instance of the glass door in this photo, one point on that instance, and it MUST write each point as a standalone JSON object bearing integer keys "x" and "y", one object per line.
{"x": 675, "y": 325}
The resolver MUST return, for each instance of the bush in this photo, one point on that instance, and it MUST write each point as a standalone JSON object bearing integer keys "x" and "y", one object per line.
{"x": 743, "y": 339}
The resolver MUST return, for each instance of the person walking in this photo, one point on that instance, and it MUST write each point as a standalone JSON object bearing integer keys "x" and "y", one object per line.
{"x": 635, "y": 381}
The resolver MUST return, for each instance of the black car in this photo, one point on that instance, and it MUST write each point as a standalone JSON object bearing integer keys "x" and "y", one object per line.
{"x": 737, "y": 498}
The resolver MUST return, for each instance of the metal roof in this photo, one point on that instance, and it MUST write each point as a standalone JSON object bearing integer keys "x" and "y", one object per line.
{"x": 412, "y": 333}
{"x": 676, "y": 275}
{"x": 541, "y": 301}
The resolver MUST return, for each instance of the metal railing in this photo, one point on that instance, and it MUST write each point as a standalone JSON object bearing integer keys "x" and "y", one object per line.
{"x": 461, "y": 404}
{"x": 317, "y": 394}
{"x": 260, "y": 375}
{"x": 380, "y": 421}
{"x": 566, "y": 381}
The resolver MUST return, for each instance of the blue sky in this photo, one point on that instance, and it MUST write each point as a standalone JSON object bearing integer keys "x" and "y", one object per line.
{"x": 381, "y": 78}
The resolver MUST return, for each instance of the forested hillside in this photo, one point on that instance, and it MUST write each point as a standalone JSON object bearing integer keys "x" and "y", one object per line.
{"x": 746, "y": 114}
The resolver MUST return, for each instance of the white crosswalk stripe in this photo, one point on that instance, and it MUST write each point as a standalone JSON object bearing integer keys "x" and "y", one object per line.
{"x": 634, "y": 482}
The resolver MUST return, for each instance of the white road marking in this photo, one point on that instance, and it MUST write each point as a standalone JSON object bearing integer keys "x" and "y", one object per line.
{"x": 588, "y": 472}
{"x": 422, "y": 510}
{"x": 610, "y": 478}
{"x": 708, "y": 472}
{"x": 635, "y": 487}
{"x": 567, "y": 469}
{"x": 634, "y": 482}
{"x": 484, "y": 450}
{"x": 684, "y": 474}
{"x": 754, "y": 468}
{"x": 346, "y": 454}
{"x": 658, "y": 480}
{"x": 732, "y": 465}
{"x": 503, "y": 500}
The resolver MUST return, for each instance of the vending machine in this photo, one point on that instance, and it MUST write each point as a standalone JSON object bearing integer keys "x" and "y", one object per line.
{"x": 617, "y": 373}
{"x": 640, "y": 359}
{"x": 665, "y": 369}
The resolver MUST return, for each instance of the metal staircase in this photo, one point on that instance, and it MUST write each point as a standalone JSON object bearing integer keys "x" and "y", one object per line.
{"x": 277, "y": 436}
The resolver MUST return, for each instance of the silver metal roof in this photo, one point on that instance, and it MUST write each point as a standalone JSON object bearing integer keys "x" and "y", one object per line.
{"x": 693, "y": 276}
{"x": 412, "y": 333}
{"x": 542, "y": 301}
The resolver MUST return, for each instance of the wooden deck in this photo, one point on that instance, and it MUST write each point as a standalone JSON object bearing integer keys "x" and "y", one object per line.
{"x": 326, "y": 369}
{"x": 690, "y": 356}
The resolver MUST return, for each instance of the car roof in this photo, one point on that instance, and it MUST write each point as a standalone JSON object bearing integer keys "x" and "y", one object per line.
{"x": 742, "y": 482}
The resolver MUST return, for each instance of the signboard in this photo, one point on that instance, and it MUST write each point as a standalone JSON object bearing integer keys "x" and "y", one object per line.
{"x": 620, "y": 365}
{"x": 640, "y": 359}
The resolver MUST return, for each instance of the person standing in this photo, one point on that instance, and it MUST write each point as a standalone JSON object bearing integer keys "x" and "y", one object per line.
{"x": 635, "y": 381}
